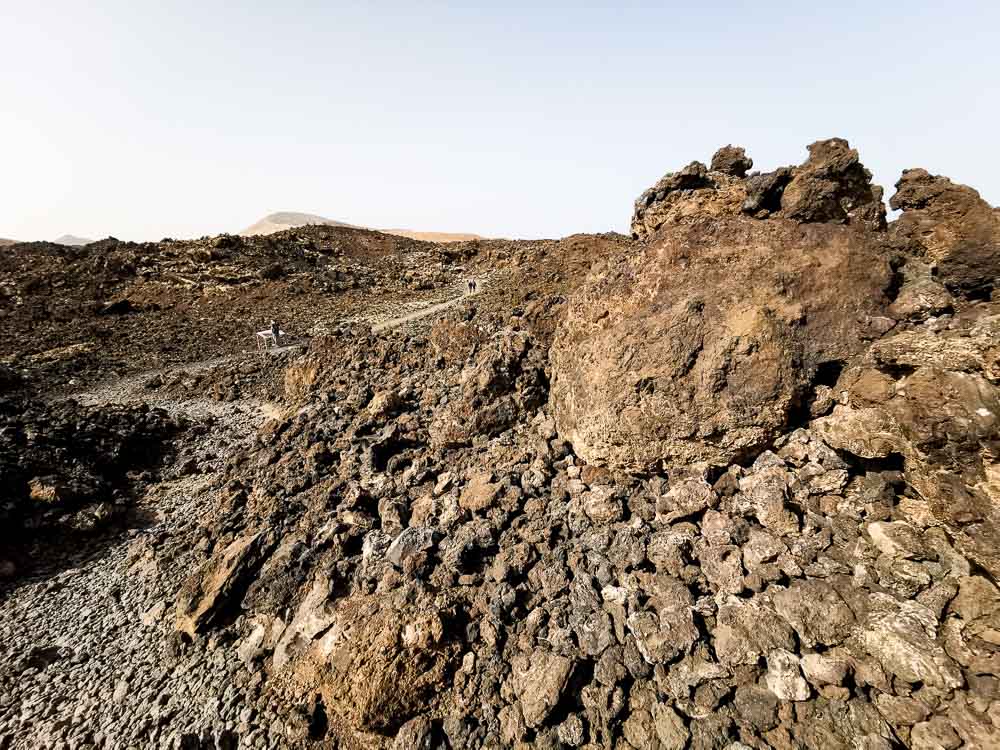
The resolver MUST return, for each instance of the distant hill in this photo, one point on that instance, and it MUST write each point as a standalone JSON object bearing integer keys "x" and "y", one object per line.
{"x": 4, "y": 243}
{"x": 69, "y": 239}
{"x": 282, "y": 220}
{"x": 433, "y": 236}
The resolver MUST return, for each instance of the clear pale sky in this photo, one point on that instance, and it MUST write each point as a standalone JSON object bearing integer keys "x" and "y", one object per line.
{"x": 143, "y": 120}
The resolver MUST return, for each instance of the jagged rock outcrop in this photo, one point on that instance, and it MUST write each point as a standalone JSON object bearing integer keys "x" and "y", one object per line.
{"x": 951, "y": 228}
{"x": 832, "y": 185}
{"x": 703, "y": 344}
{"x": 731, "y": 160}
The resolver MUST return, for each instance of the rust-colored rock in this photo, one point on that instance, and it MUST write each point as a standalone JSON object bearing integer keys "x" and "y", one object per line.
{"x": 701, "y": 346}
{"x": 214, "y": 589}
{"x": 951, "y": 227}
{"x": 832, "y": 185}
{"x": 731, "y": 160}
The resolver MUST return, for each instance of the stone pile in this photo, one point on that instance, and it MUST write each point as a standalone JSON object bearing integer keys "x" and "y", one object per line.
{"x": 66, "y": 468}
{"x": 754, "y": 509}
{"x": 730, "y": 486}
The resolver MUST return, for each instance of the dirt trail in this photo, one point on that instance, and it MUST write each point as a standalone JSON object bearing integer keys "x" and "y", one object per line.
{"x": 426, "y": 310}
{"x": 112, "y": 608}
{"x": 83, "y": 672}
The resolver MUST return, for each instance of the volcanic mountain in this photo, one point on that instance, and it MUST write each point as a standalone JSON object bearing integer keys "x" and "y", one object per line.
{"x": 71, "y": 239}
{"x": 282, "y": 220}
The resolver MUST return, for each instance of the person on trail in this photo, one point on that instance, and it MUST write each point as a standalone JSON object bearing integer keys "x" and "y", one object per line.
{"x": 276, "y": 332}
{"x": 468, "y": 285}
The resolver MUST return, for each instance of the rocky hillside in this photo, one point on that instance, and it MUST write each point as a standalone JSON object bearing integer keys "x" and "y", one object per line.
{"x": 729, "y": 483}
{"x": 279, "y": 222}
{"x": 72, "y": 240}
{"x": 282, "y": 220}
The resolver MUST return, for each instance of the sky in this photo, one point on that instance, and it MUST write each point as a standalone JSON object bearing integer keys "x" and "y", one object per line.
{"x": 146, "y": 120}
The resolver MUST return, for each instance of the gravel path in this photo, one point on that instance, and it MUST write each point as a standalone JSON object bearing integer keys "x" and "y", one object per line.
{"x": 427, "y": 310}
{"x": 86, "y": 654}
{"x": 85, "y": 660}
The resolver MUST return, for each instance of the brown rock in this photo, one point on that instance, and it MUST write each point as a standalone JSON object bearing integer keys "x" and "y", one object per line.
{"x": 824, "y": 669}
{"x": 503, "y": 381}
{"x": 748, "y": 629}
{"x": 833, "y": 185}
{"x": 901, "y": 710}
{"x": 602, "y": 505}
{"x": 941, "y": 419}
{"x": 951, "y": 227}
{"x": 756, "y": 707}
{"x": 721, "y": 566}
{"x": 381, "y": 661}
{"x": 784, "y": 678}
{"x": 976, "y": 598}
{"x": 672, "y": 355}
{"x": 919, "y": 299}
{"x": 688, "y": 192}
{"x": 670, "y": 729}
{"x": 870, "y": 387}
{"x": 816, "y": 611}
{"x": 538, "y": 682}
{"x": 48, "y": 490}
{"x": 934, "y": 734}
{"x": 830, "y": 186}
{"x": 667, "y": 628}
{"x": 731, "y": 160}
{"x": 685, "y": 499}
{"x": 763, "y": 192}
{"x": 903, "y": 643}
{"x": 208, "y": 592}
{"x": 763, "y": 494}
{"x": 480, "y": 493}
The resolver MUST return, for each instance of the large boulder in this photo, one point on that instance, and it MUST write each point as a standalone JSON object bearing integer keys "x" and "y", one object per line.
{"x": 702, "y": 345}
{"x": 833, "y": 185}
{"x": 950, "y": 227}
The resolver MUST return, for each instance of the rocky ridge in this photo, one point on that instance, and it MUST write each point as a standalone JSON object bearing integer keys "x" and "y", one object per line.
{"x": 729, "y": 485}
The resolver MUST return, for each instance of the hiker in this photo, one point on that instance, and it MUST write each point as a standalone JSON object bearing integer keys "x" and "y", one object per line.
{"x": 276, "y": 332}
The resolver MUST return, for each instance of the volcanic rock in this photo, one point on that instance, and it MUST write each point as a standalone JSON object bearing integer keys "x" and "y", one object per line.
{"x": 538, "y": 682}
{"x": 778, "y": 528}
{"x": 208, "y": 594}
{"x": 784, "y": 678}
{"x": 832, "y": 185}
{"x": 671, "y": 356}
{"x": 950, "y": 227}
{"x": 731, "y": 160}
